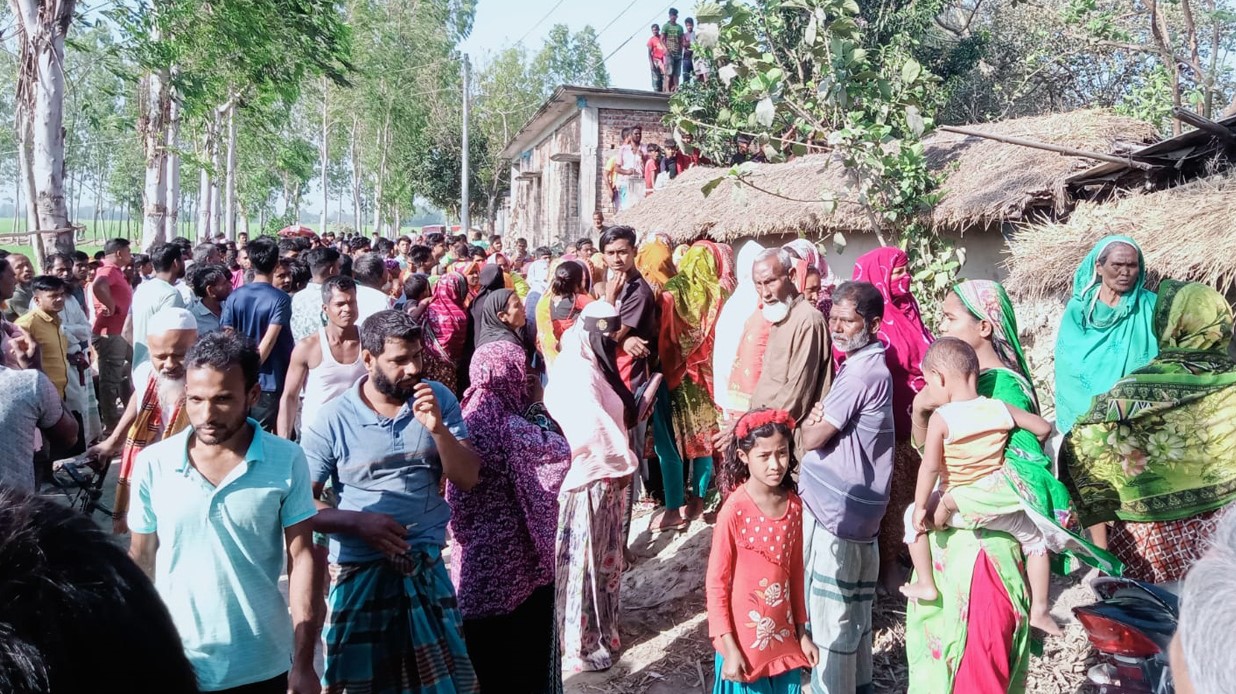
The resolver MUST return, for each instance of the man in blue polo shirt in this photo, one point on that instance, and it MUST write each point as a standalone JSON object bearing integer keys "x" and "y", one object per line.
{"x": 263, "y": 313}
{"x": 384, "y": 446}
{"x": 215, "y": 509}
{"x": 844, "y": 484}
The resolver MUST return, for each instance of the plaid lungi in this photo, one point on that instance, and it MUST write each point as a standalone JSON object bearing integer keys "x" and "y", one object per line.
{"x": 841, "y": 582}
{"x": 394, "y": 628}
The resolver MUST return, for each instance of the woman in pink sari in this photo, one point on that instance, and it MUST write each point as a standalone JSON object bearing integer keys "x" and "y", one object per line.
{"x": 905, "y": 340}
{"x": 446, "y": 329}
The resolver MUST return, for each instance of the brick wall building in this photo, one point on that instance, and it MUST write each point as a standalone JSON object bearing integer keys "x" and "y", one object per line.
{"x": 557, "y": 159}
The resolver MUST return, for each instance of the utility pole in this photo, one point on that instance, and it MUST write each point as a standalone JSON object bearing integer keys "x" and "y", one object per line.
{"x": 464, "y": 217}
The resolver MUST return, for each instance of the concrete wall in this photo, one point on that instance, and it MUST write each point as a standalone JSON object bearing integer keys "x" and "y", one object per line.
{"x": 545, "y": 209}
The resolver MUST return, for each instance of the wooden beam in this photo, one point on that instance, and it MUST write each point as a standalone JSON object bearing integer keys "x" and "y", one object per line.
{"x": 1203, "y": 123}
{"x": 1058, "y": 149}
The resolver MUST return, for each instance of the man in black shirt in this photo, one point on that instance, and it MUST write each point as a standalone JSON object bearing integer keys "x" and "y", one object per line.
{"x": 637, "y": 307}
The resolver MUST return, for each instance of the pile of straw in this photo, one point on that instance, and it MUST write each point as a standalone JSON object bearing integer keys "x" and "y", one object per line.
{"x": 1186, "y": 233}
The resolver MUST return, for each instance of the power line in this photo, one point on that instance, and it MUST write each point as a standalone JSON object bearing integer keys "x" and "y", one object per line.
{"x": 628, "y": 39}
{"x": 540, "y": 21}
{"x": 615, "y": 19}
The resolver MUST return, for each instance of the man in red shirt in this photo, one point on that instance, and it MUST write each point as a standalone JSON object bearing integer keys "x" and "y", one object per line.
{"x": 112, "y": 298}
{"x": 656, "y": 58}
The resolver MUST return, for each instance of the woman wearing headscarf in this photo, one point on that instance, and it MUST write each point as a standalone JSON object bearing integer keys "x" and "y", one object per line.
{"x": 654, "y": 260}
{"x": 561, "y": 305}
{"x": 1107, "y": 330}
{"x": 505, "y": 527}
{"x": 1155, "y": 455}
{"x": 490, "y": 279}
{"x": 905, "y": 340}
{"x": 951, "y": 646}
{"x": 588, "y": 399}
{"x": 810, "y": 258}
{"x": 736, "y": 353}
{"x": 499, "y": 317}
{"x": 693, "y": 301}
{"x": 446, "y": 329}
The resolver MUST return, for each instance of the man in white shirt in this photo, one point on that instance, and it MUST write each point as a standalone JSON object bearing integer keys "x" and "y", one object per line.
{"x": 369, "y": 271}
{"x": 307, "y": 304}
{"x": 154, "y": 295}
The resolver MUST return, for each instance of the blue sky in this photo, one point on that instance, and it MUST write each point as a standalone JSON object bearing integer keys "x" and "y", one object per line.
{"x": 501, "y": 23}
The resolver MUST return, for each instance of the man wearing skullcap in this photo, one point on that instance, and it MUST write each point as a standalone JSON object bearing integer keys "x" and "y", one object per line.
{"x": 156, "y": 408}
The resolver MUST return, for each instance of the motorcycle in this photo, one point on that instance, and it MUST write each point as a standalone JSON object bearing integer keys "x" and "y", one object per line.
{"x": 1131, "y": 626}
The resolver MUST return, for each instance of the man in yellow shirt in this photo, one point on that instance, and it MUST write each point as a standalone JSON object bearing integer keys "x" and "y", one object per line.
{"x": 43, "y": 324}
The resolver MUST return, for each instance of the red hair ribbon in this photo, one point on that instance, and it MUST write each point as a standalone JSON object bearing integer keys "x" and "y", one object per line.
{"x": 757, "y": 418}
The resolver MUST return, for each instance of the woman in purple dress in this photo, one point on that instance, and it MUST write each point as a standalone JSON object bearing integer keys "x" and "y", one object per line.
{"x": 505, "y": 527}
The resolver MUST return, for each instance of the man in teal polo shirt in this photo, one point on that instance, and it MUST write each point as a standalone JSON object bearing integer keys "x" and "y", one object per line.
{"x": 215, "y": 508}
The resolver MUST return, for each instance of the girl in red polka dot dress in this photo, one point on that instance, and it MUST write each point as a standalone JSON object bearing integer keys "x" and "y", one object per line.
{"x": 757, "y": 612}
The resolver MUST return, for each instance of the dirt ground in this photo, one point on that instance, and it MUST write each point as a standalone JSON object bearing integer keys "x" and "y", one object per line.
{"x": 665, "y": 631}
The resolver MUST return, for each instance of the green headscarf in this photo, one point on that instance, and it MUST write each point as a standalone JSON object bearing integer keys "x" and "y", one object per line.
{"x": 1161, "y": 444}
{"x": 988, "y": 301}
{"x": 1099, "y": 344}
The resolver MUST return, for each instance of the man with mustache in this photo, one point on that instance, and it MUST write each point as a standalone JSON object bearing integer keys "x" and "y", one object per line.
{"x": 847, "y": 464}
{"x": 156, "y": 409}
{"x": 797, "y": 365}
{"x": 385, "y": 446}
{"x": 216, "y": 510}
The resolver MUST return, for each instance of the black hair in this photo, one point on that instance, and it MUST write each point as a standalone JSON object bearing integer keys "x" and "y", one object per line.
{"x": 369, "y": 269}
{"x": 64, "y": 587}
{"x": 419, "y": 255}
{"x": 416, "y": 286}
{"x": 50, "y": 261}
{"x": 673, "y": 11}
{"x": 165, "y": 256}
{"x": 625, "y": 132}
{"x": 358, "y": 243}
{"x": 300, "y": 273}
{"x": 204, "y": 276}
{"x": 341, "y": 283}
{"x": 405, "y": 237}
{"x": 618, "y": 233}
{"x": 114, "y": 246}
{"x": 140, "y": 259}
{"x": 48, "y": 283}
{"x": 4, "y": 254}
{"x": 435, "y": 239}
{"x": 671, "y": 144}
{"x": 263, "y": 254}
{"x": 288, "y": 245}
{"x": 388, "y": 325}
{"x": 345, "y": 265}
{"x": 734, "y": 471}
{"x": 184, "y": 245}
{"x": 689, "y": 20}
{"x": 320, "y": 260}
{"x": 383, "y": 246}
{"x": 568, "y": 277}
{"x": 495, "y": 237}
{"x": 952, "y": 355}
{"x": 476, "y": 252}
{"x": 80, "y": 257}
{"x": 100, "y": 255}
{"x": 865, "y": 297}
{"x": 542, "y": 250}
{"x": 223, "y": 350}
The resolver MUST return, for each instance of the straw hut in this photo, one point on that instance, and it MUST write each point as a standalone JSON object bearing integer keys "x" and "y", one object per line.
{"x": 987, "y": 187}
{"x": 1185, "y": 233}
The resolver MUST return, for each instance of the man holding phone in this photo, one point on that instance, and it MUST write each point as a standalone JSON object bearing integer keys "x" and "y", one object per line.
{"x": 385, "y": 446}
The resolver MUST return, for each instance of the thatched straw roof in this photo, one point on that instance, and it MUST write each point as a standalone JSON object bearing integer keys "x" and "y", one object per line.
{"x": 1185, "y": 232}
{"x": 986, "y": 182}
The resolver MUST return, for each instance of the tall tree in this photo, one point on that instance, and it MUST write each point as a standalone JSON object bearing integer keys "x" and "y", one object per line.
{"x": 571, "y": 58}
{"x": 42, "y": 28}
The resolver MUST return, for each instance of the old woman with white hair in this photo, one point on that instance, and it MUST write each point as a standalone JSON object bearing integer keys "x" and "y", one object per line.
{"x": 1201, "y": 649}
{"x": 156, "y": 408}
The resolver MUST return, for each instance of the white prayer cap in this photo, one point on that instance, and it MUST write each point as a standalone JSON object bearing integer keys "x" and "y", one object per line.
{"x": 169, "y": 319}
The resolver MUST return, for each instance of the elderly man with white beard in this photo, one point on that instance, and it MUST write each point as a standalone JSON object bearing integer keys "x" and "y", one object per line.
{"x": 797, "y": 365}
{"x": 156, "y": 409}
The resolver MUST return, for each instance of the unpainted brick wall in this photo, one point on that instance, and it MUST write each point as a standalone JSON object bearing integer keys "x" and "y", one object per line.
{"x": 611, "y": 122}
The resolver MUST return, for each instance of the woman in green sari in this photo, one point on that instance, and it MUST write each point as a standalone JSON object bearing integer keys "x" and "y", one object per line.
{"x": 949, "y": 647}
{"x": 1155, "y": 455}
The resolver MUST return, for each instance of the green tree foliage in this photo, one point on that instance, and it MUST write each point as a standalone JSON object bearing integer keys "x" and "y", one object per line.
{"x": 570, "y": 58}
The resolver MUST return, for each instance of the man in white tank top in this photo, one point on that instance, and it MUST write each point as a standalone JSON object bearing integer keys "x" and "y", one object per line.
{"x": 325, "y": 364}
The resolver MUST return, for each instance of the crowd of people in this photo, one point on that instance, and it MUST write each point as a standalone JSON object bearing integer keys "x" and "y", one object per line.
{"x": 671, "y": 55}
{"x": 440, "y": 442}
